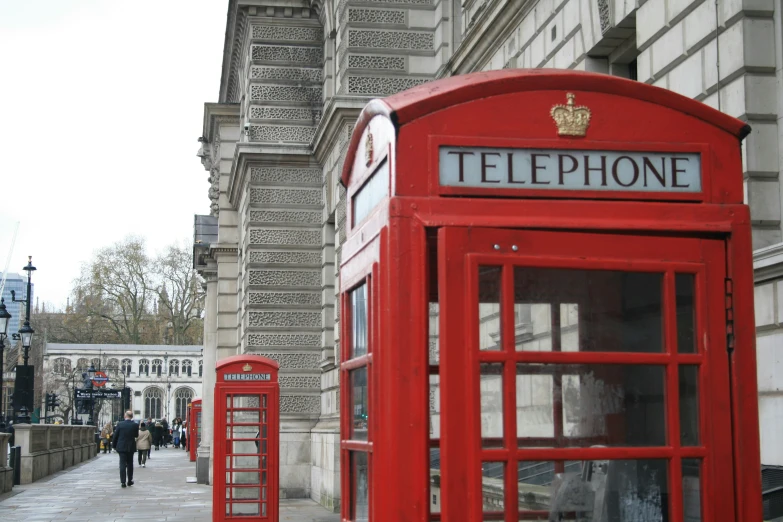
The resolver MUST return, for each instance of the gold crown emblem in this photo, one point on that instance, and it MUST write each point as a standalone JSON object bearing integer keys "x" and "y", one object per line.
{"x": 247, "y": 367}
{"x": 570, "y": 119}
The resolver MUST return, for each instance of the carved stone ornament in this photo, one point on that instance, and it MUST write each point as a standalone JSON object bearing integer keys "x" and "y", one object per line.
{"x": 570, "y": 119}
{"x": 368, "y": 148}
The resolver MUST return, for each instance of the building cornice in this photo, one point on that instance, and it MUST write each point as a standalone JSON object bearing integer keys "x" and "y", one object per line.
{"x": 248, "y": 155}
{"x": 340, "y": 110}
{"x": 216, "y": 113}
{"x": 768, "y": 263}
{"x": 480, "y": 41}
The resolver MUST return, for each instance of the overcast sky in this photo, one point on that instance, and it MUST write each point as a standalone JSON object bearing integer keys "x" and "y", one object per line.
{"x": 101, "y": 106}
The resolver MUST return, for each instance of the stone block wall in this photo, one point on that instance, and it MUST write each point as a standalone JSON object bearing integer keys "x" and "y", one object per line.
{"x": 49, "y": 448}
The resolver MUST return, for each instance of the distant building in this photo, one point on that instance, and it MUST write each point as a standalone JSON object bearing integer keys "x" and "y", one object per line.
{"x": 17, "y": 283}
{"x": 162, "y": 378}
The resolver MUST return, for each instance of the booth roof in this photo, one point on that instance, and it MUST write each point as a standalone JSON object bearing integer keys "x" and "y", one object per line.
{"x": 406, "y": 106}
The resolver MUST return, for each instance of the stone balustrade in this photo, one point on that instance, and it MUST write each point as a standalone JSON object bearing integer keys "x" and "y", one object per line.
{"x": 49, "y": 448}
{"x": 6, "y": 472}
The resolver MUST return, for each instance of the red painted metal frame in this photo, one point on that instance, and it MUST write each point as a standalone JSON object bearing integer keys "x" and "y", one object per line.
{"x": 707, "y": 234}
{"x": 224, "y": 389}
{"x": 194, "y": 428}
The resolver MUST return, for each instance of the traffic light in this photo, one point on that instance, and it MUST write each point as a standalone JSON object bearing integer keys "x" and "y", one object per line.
{"x": 55, "y": 401}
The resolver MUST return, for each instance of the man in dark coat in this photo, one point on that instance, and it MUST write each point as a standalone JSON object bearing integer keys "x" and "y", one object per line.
{"x": 124, "y": 443}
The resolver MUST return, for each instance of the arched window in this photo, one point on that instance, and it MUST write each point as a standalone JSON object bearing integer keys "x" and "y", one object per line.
{"x": 83, "y": 364}
{"x": 174, "y": 367}
{"x": 126, "y": 367}
{"x": 187, "y": 367}
{"x": 153, "y": 403}
{"x": 182, "y": 397}
{"x": 144, "y": 367}
{"x": 96, "y": 363}
{"x": 62, "y": 366}
{"x": 113, "y": 366}
{"x": 157, "y": 367}
{"x": 201, "y": 368}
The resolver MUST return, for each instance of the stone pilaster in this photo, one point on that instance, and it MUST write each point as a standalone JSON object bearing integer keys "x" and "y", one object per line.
{"x": 203, "y": 459}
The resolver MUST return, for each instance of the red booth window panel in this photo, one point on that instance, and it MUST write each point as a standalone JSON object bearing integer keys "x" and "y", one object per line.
{"x": 356, "y": 372}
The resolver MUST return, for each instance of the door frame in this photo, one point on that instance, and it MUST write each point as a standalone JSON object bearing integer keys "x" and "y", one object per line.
{"x": 461, "y": 250}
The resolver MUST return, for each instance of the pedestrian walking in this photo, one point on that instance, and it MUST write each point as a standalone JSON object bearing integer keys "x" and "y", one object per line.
{"x": 143, "y": 444}
{"x": 124, "y": 442}
{"x": 157, "y": 435}
{"x": 106, "y": 437}
{"x": 183, "y": 437}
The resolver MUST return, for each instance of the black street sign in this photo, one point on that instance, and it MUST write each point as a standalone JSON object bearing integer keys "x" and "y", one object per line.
{"x": 98, "y": 394}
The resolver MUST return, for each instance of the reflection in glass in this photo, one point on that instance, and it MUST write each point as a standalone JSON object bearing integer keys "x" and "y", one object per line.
{"x": 689, "y": 405}
{"x": 245, "y": 477}
{"x": 244, "y": 416}
{"x": 242, "y": 462}
{"x": 358, "y": 379}
{"x": 434, "y": 406}
{"x": 245, "y": 509}
{"x": 492, "y": 487}
{"x": 491, "y": 388}
{"x": 434, "y": 332}
{"x": 686, "y": 318}
{"x": 608, "y": 404}
{"x": 359, "y": 321}
{"x": 434, "y": 480}
{"x": 361, "y": 487}
{"x": 691, "y": 490}
{"x": 245, "y": 401}
{"x": 244, "y": 493}
{"x": 489, "y": 308}
{"x": 596, "y": 491}
{"x": 587, "y": 310}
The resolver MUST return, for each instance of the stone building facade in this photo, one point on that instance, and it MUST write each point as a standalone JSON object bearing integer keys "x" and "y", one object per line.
{"x": 294, "y": 77}
{"x": 163, "y": 378}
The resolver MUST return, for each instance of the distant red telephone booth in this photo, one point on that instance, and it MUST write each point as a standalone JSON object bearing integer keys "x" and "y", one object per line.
{"x": 194, "y": 427}
{"x": 247, "y": 430}
{"x": 538, "y": 316}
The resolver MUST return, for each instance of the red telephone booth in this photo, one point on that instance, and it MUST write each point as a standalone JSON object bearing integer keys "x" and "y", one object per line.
{"x": 194, "y": 427}
{"x": 247, "y": 430}
{"x": 537, "y": 297}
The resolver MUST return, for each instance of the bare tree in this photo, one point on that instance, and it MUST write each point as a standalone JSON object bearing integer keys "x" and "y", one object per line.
{"x": 115, "y": 286}
{"x": 180, "y": 295}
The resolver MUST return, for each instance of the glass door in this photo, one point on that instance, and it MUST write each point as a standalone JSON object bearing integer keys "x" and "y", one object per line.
{"x": 248, "y": 466}
{"x": 584, "y": 377}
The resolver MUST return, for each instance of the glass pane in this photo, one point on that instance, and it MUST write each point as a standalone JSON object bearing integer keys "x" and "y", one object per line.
{"x": 245, "y": 477}
{"x": 244, "y": 493}
{"x": 691, "y": 490}
{"x": 492, "y": 487}
{"x": 686, "y": 320}
{"x": 361, "y": 487}
{"x": 263, "y": 493}
{"x": 263, "y": 446}
{"x": 244, "y": 416}
{"x": 491, "y": 388}
{"x": 489, "y": 308}
{"x": 587, "y": 310}
{"x": 595, "y": 491}
{"x": 434, "y": 480}
{"x": 359, "y": 321}
{"x": 263, "y": 478}
{"x": 263, "y": 401}
{"x": 689, "y": 405}
{"x": 245, "y": 509}
{"x": 577, "y": 405}
{"x": 243, "y": 462}
{"x": 434, "y": 406}
{"x": 358, "y": 379}
{"x": 245, "y": 401}
{"x": 263, "y": 509}
{"x": 434, "y": 333}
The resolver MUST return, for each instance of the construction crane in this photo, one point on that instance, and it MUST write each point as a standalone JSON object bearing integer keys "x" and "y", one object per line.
{"x": 8, "y": 259}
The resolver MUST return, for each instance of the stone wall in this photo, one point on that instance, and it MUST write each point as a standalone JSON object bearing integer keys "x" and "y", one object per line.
{"x": 49, "y": 448}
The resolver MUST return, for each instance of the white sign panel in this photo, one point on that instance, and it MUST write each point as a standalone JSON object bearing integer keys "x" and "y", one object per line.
{"x": 552, "y": 169}
{"x": 248, "y": 377}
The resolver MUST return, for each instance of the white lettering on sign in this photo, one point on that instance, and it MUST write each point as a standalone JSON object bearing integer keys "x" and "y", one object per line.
{"x": 550, "y": 169}
{"x": 248, "y": 377}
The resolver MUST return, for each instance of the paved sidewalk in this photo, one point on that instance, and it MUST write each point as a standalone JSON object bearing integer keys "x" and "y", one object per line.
{"x": 91, "y": 491}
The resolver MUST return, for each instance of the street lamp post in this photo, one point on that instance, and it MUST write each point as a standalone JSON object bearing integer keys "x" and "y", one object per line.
{"x": 4, "y": 318}
{"x": 26, "y": 332}
{"x": 91, "y": 373}
{"x": 24, "y": 386}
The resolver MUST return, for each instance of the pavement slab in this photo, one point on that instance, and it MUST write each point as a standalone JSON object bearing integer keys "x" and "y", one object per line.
{"x": 91, "y": 491}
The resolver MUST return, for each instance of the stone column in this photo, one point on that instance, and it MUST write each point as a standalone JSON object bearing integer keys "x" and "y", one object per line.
{"x": 203, "y": 459}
